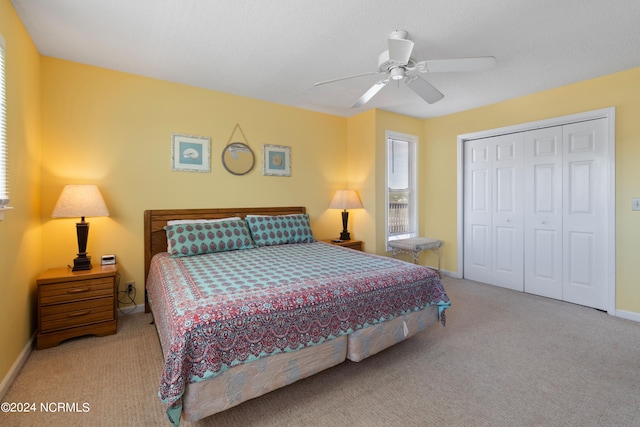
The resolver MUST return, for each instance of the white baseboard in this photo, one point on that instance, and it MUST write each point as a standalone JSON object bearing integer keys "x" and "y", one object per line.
{"x": 629, "y": 315}
{"x": 17, "y": 365}
{"x": 448, "y": 273}
{"x": 131, "y": 309}
{"x": 453, "y": 274}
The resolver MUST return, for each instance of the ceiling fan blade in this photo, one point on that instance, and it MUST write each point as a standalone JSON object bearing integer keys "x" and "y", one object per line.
{"x": 370, "y": 93}
{"x": 455, "y": 65}
{"x": 425, "y": 90}
{"x": 400, "y": 50}
{"x": 345, "y": 78}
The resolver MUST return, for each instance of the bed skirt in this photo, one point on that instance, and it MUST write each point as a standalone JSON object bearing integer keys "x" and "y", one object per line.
{"x": 247, "y": 381}
{"x": 373, "y": 339}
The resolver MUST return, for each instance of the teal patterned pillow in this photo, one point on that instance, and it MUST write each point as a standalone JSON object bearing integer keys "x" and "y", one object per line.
{"x": 280, "y": 229}
{"x": 202, "y": 238}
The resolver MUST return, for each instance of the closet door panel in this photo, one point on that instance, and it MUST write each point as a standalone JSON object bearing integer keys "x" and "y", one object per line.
{"x": 544, "y": 258}
{"x": 507, "y": 215}
{"x": 477, "y": 220}
{"x": 543, "y": 212}
{"x": 580, "y": 251}
{"x": 585, "y": 213}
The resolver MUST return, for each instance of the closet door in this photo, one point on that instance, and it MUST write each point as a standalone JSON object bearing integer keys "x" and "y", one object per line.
{"x": 543, "y": 212}
{"x": 494, "y": 211}
{"x": 585, "y": 183}
{"x": 478, "y": 196}
{"x": 536, "y": 211}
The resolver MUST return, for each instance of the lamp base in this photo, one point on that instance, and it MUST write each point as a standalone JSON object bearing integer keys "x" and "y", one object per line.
{"x": 344, "y": 235}
{"x": 82, "y": 262}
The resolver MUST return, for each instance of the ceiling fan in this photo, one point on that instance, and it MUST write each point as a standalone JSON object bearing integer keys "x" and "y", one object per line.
{"x": 396, "y": 63}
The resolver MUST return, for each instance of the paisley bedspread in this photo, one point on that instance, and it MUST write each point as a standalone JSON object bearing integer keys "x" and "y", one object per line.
{"x": 218, "y": 310}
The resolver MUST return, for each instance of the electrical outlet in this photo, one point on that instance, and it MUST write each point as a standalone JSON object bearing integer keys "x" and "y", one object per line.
{"x": 635, "y": 204}
{"x": 129, "y": 286}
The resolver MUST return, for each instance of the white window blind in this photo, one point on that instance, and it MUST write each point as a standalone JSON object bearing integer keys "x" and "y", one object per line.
{"x": 4, "y": 176}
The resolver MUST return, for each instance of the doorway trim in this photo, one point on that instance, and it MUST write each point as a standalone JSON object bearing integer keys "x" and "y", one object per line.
{"x": 607, "y": 113}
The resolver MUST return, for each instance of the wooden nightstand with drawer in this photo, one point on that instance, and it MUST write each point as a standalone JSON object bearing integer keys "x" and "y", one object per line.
{"x": 351, "y": 244}
{"x": 76, "y": 303}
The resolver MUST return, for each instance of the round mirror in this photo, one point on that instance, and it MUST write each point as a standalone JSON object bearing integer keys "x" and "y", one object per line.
{"x": 238, "y": 158}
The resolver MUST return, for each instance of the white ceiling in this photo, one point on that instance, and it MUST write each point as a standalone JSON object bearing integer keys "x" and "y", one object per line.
{"x": 275, "y": 50}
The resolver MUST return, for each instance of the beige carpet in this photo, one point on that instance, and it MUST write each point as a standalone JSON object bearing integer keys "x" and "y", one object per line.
{"x": 504, "y": 359}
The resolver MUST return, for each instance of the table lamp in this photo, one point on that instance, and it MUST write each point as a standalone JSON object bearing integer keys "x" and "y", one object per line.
{"x": 80, "y": 201}
{"x": 345, "y": 199}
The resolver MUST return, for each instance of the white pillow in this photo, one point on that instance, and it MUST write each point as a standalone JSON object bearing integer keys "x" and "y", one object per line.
{"x": 196, "y": 221}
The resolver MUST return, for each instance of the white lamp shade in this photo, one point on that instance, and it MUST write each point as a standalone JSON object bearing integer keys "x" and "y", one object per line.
{"x": 346, "y": 199}
{"x": 80, "y": 201}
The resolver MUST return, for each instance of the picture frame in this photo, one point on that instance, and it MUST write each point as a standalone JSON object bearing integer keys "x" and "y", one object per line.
{"x": 190, "y": 153}
{"x": 276, "y": 160}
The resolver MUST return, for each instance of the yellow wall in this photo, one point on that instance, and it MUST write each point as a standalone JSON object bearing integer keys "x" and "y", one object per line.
{"x": 20, "y": 243}
{"x": 361, "y": 176}
{"x": 114, "y": 129}
{"x": 366, "y": 170}
{"x": 620, "y": 90}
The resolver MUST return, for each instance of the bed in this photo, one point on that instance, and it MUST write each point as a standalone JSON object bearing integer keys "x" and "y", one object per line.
{"x": 238, "y": 317}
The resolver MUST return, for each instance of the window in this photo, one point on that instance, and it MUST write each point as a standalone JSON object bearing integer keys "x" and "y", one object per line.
{"x": 402, "y": 194}
{"x": 4, "y": 178}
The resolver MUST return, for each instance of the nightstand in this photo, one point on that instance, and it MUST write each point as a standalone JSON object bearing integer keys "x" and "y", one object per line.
{"x": 351, "y": 244}
{"x": 76, "y": 303}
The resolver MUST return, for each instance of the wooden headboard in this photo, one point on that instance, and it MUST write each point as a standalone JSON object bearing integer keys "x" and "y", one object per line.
{"x": 155, "y": 238}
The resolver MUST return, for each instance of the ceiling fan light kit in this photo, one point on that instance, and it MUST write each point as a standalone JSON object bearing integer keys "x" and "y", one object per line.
{"x": 397, "y": 73}
{"x": 396, "y": 63}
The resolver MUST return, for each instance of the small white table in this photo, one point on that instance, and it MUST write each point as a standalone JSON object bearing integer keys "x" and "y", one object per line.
{"x": 414, "y": 246}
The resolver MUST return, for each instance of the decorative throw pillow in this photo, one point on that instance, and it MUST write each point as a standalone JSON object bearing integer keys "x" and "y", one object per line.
{"x": 280, "y": 229}
{"x": 201, "y": 238}
{"x": 194, "y": 221}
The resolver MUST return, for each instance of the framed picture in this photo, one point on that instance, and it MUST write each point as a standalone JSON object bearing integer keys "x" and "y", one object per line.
{"x": 276, "y": 160}
{"x": 190, "y": 153}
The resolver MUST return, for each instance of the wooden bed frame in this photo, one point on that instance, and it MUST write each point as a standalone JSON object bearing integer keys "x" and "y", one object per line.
{"x": 155, "y": 237}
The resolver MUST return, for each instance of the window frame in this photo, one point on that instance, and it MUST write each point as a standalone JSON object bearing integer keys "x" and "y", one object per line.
{"x": 4, "y": 175}
{"x": 413, "y": 141}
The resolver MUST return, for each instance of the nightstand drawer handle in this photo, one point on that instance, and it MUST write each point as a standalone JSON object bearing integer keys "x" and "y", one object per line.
{"x": 78, "y": 290}
{"x": 79, "y": 313}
